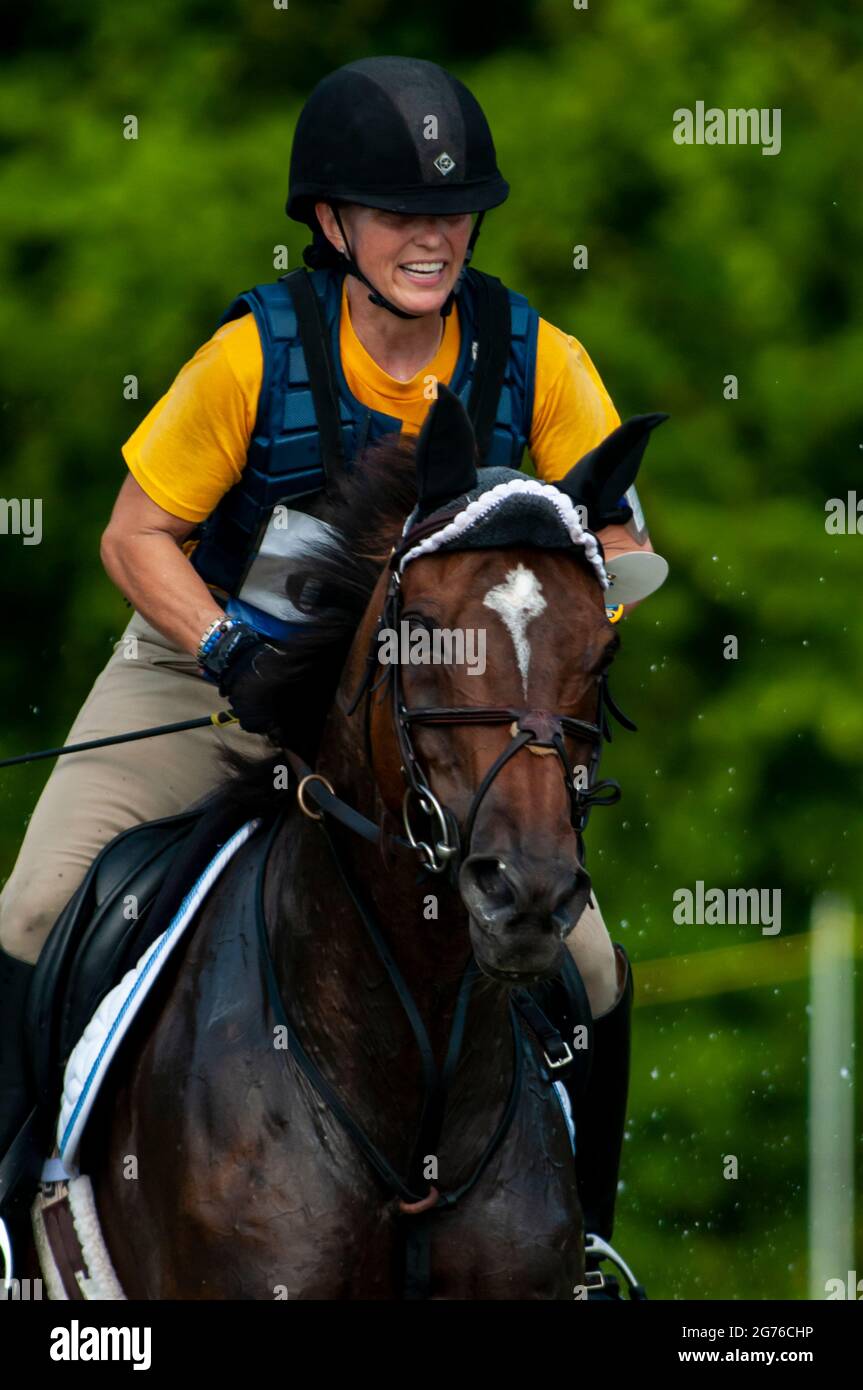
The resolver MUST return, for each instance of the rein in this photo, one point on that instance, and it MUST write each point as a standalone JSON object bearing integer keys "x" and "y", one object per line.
{"x": 410, "y": 1190}
{"x": 413, "y": 1202}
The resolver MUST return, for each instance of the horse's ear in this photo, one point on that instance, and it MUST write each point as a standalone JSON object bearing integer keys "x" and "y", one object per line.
{"x": 445, "y": 453}
{"x": 599, "y": 480}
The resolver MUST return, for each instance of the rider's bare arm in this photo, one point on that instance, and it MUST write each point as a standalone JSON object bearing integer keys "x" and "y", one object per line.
{"x": 141, "y": 553}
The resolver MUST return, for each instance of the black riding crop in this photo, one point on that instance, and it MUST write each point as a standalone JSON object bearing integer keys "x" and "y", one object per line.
{"x": 218, "y": 719}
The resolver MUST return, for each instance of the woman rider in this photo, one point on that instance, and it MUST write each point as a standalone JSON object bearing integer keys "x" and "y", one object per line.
{"x": 391, "y": 158}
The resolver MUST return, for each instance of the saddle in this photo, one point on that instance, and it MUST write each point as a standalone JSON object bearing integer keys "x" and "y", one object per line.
{"x": 133, "y": 888}
{"x": 130, "y": 893}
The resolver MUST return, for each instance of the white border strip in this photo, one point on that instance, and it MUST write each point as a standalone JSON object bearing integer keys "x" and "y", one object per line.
{"x": 566, "y": 1107}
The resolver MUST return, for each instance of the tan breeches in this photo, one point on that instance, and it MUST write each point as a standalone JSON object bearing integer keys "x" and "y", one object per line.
{"x": 90, "y": 797}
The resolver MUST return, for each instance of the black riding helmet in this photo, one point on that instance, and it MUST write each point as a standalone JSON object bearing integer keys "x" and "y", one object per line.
{"x": 395, "y": 133}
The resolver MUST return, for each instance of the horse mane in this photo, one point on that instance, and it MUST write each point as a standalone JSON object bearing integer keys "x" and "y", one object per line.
{"x": 368, "y": 509}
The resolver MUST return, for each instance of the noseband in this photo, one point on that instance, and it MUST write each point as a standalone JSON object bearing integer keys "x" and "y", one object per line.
{"x": 539, "y": 730}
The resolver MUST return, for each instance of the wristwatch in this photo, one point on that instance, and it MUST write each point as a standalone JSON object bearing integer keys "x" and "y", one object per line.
{"x": 222, "y": 642}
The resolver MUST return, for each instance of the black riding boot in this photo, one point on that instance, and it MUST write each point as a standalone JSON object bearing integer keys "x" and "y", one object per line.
{"x": 600, "y": 1117}
{"x": 15, "y": 977}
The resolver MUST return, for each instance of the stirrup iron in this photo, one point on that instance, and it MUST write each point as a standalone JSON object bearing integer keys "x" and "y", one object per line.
{"x": 594, "y": 1278}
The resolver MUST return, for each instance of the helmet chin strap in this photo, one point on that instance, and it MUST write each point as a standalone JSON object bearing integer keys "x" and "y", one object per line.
{"x": 381, "y": 300}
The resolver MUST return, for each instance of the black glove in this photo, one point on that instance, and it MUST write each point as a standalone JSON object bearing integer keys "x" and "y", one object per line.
{"x": 246, "y": 665}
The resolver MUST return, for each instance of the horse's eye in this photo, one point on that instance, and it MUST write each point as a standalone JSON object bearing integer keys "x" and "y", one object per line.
{"x": 418, "y": 621}
{"x": 604, "y": 662}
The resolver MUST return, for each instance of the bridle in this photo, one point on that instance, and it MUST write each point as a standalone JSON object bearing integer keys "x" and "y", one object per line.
{"x": 542, "y": 732}
{"x": 539, "y": 730}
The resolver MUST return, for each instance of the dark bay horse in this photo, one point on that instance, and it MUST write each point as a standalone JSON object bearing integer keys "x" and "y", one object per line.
{"x": 218, "y": 1169}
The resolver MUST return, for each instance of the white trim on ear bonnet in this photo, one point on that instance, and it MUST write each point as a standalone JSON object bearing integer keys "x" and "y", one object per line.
{"x": 514, "y": 511}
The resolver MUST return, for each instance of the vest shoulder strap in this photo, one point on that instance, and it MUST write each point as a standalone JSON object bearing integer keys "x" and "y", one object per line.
{"x": 272, "y": 310}
{"x": 494, "y": 335}
{"x": 315, "y": 339}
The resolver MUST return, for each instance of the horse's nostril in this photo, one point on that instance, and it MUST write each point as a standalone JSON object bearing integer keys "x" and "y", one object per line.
{"x": 489, "y": 878}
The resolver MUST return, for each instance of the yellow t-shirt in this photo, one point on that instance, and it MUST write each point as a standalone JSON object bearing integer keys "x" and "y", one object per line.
{"x": 191, "y": 447}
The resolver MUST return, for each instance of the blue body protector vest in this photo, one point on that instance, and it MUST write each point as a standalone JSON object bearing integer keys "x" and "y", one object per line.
{"x": 285, "y": 462}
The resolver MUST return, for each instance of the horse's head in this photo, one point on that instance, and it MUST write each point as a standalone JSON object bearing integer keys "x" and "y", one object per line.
{"x": 487, "y": 645}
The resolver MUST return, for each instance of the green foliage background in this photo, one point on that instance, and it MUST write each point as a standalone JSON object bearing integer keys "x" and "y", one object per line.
{"x": 118, "y": 257}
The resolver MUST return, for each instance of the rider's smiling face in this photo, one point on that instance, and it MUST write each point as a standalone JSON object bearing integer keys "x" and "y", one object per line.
{"x": 413, "y": 260}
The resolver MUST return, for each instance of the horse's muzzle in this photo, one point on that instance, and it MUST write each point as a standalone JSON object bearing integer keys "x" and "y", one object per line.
{"x": 521, "y": 910}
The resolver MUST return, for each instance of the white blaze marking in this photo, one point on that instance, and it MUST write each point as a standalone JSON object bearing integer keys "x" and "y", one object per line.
{"x": 517, "y": 601}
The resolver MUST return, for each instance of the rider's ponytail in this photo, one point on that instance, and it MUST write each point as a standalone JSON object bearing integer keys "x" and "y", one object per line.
{"x": 322, "y": 255}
